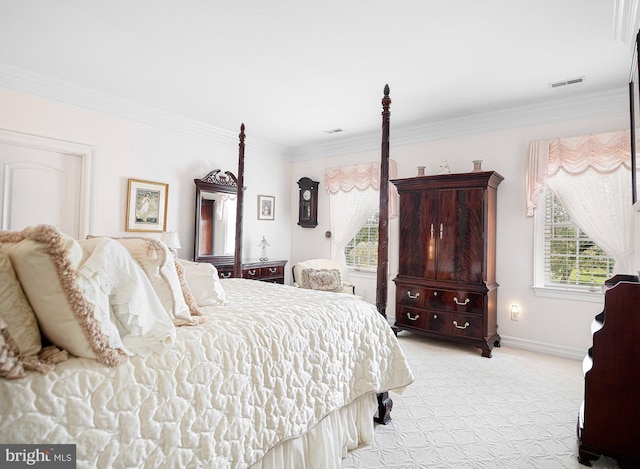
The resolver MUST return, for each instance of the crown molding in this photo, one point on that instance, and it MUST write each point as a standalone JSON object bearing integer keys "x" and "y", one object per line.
{"x": 592, "y": 105}
{"x": 626, "y": 19}
{"x": 31, "y": 83}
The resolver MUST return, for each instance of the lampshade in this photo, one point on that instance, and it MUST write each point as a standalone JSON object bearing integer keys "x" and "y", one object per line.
{"x": 171, "y": 239}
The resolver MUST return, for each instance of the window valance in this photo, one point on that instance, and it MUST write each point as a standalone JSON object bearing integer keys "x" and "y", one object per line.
{"x": 361, "y": 176}
{"x": 603, "y": 152}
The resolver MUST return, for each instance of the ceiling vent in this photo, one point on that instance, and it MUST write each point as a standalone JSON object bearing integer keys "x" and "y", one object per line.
{"x": 333, "y": 131}
{"x": 572, "y": 81}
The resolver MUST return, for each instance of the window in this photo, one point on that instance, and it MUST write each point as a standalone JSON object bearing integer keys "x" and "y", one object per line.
{"x": 362, "y": 251}
{"x": 570, "y": 259}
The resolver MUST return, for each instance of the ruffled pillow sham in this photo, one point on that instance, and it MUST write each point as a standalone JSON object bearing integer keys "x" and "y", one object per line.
{"x": 204, "y": 282}
{"x": 45, "y": 262}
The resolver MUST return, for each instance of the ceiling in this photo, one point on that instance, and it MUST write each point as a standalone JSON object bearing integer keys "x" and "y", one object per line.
{"x": 292, "y": 70}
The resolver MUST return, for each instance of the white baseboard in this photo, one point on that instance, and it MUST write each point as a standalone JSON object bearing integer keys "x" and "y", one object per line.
{"x": 542, "y": 347}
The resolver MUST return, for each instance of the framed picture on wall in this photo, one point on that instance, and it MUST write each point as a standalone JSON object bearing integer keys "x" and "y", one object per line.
{"x": 147, "y": 206}
{"x": 266, "y": 207}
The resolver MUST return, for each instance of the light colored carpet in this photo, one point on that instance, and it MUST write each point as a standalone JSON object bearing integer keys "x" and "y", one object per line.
{"x": 515, "y": 410}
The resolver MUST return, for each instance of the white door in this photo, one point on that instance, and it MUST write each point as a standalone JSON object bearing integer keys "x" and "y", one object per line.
{"x": 41, "y": 186}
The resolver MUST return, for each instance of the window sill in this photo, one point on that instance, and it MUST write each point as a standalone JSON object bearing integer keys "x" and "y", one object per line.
{"x": 362, "y": 271}
{"x": 566, "y": 294}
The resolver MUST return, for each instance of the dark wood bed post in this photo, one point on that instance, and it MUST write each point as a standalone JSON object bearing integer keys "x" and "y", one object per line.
{"x": 383, "y": 220}
{"x": 384, "y": 401}
{"x": 237, "y": 261}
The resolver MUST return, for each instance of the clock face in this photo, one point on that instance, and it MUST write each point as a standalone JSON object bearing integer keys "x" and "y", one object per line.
{"x": 306, "y": 195}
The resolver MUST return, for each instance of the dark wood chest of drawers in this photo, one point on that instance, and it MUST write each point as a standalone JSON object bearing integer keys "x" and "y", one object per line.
{"x": 267, "y": 271}
{"x": 446, "y": 285}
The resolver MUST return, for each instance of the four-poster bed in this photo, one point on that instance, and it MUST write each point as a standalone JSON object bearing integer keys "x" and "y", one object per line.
{"x": 157, "y": 362}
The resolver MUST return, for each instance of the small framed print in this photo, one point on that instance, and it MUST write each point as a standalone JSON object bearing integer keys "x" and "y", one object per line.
{"x": 147, "y": 206}
{"x": 266, "y": 207}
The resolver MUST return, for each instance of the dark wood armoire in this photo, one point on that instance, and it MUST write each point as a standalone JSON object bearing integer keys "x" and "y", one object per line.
{"x": 609, "y": 421}
{"x": 446, "y": 284}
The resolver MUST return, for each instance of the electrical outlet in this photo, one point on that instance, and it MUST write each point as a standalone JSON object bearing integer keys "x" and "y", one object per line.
{"x": 515, "y": 315}
{"x": 364, "y": 293}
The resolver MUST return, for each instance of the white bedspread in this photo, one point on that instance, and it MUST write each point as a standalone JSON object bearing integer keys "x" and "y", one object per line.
{"x": 265, "y": 367}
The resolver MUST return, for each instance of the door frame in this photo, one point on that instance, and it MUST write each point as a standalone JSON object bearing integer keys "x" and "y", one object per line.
{"x": 87, "y": 154}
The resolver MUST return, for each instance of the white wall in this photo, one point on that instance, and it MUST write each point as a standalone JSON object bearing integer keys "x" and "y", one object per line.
{"x": 552, "y": 325}
{"x": 128, "y": 149}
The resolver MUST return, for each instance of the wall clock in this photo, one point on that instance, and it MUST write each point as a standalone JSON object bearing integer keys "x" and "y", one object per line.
{"x": 308, "y": 205}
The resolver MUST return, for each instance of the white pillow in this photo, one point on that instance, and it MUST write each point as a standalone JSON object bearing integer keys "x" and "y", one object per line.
{"x": 45, "y": 262}
{"x": 118, "y": 287}
{"x": 204, "y": 282}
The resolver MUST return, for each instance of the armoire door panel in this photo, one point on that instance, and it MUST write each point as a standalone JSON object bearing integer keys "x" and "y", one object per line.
{"x": 461, "y": 238}
{"x": 418, "y": 258}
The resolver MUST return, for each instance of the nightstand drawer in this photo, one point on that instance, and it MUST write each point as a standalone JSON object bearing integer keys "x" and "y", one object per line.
{"x": 225, "y": 272}
{"x": 271, "y": 272}
{"x": 251, "y": 273}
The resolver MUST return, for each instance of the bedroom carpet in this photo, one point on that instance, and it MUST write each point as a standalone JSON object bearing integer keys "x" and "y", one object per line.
{"x": 515, "y": 410}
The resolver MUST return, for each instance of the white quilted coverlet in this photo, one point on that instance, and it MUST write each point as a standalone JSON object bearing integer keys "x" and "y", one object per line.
{"x": 265, "y": 367}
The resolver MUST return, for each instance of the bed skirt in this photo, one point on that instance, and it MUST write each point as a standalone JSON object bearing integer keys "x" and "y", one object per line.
{"x": 326, "y": 445}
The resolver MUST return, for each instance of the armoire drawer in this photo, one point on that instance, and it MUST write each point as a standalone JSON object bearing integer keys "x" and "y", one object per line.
{"x": 455, "y": 324}
{"x": 411, "y": 317}
{"x": 444, "y": 300}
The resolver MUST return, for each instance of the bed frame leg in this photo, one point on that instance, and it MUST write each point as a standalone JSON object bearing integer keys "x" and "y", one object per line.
{"x": 385, "y": 404}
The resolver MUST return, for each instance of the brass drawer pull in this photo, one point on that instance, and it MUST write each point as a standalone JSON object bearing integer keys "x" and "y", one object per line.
{"x": 414, "y": 318}
{"x": 251, "y": 272}
{"x": 225, "y": 274}
{"x": 466, "y": 324}
{"x": 455, "y": 298}
{"x": 411, "y": 296}
{"x": 273, "y": 270}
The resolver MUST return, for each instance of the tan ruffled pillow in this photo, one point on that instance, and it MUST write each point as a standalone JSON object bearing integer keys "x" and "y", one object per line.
{"x": 14, "y": 306}
{"x": 45, "y": 262}
{"x": 13, "y": 366}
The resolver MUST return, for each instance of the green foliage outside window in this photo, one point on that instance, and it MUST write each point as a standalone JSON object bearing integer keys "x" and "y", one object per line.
{"x": 572, "y": 258}
{"x": 362, "y": 250}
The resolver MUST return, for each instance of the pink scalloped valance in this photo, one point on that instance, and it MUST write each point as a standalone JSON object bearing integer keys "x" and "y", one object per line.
{"x": 604, "y": 153}
{"x": 361, "y": 176}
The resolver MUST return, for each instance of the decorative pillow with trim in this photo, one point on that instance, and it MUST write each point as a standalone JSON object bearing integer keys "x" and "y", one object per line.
{"x": 14, "y": 306}
{"x": 204, "y": 282}
{"x": 10, "y": 364}
{"x": 45, "y": 263}
{"x": 13, "y": 365}
{"x": 158, "y": 264}
{"x": 323, "y": 279}
{"x": 189, "y": 297}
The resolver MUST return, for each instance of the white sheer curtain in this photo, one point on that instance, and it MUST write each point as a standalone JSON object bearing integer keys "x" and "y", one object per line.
{"x": 354, "y": 193}
{"x": 349, "y": 211}
{"x": 591, "y": 176}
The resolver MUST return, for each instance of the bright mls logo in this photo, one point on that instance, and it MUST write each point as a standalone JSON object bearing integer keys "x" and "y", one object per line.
{"x": 38, "y": 456}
